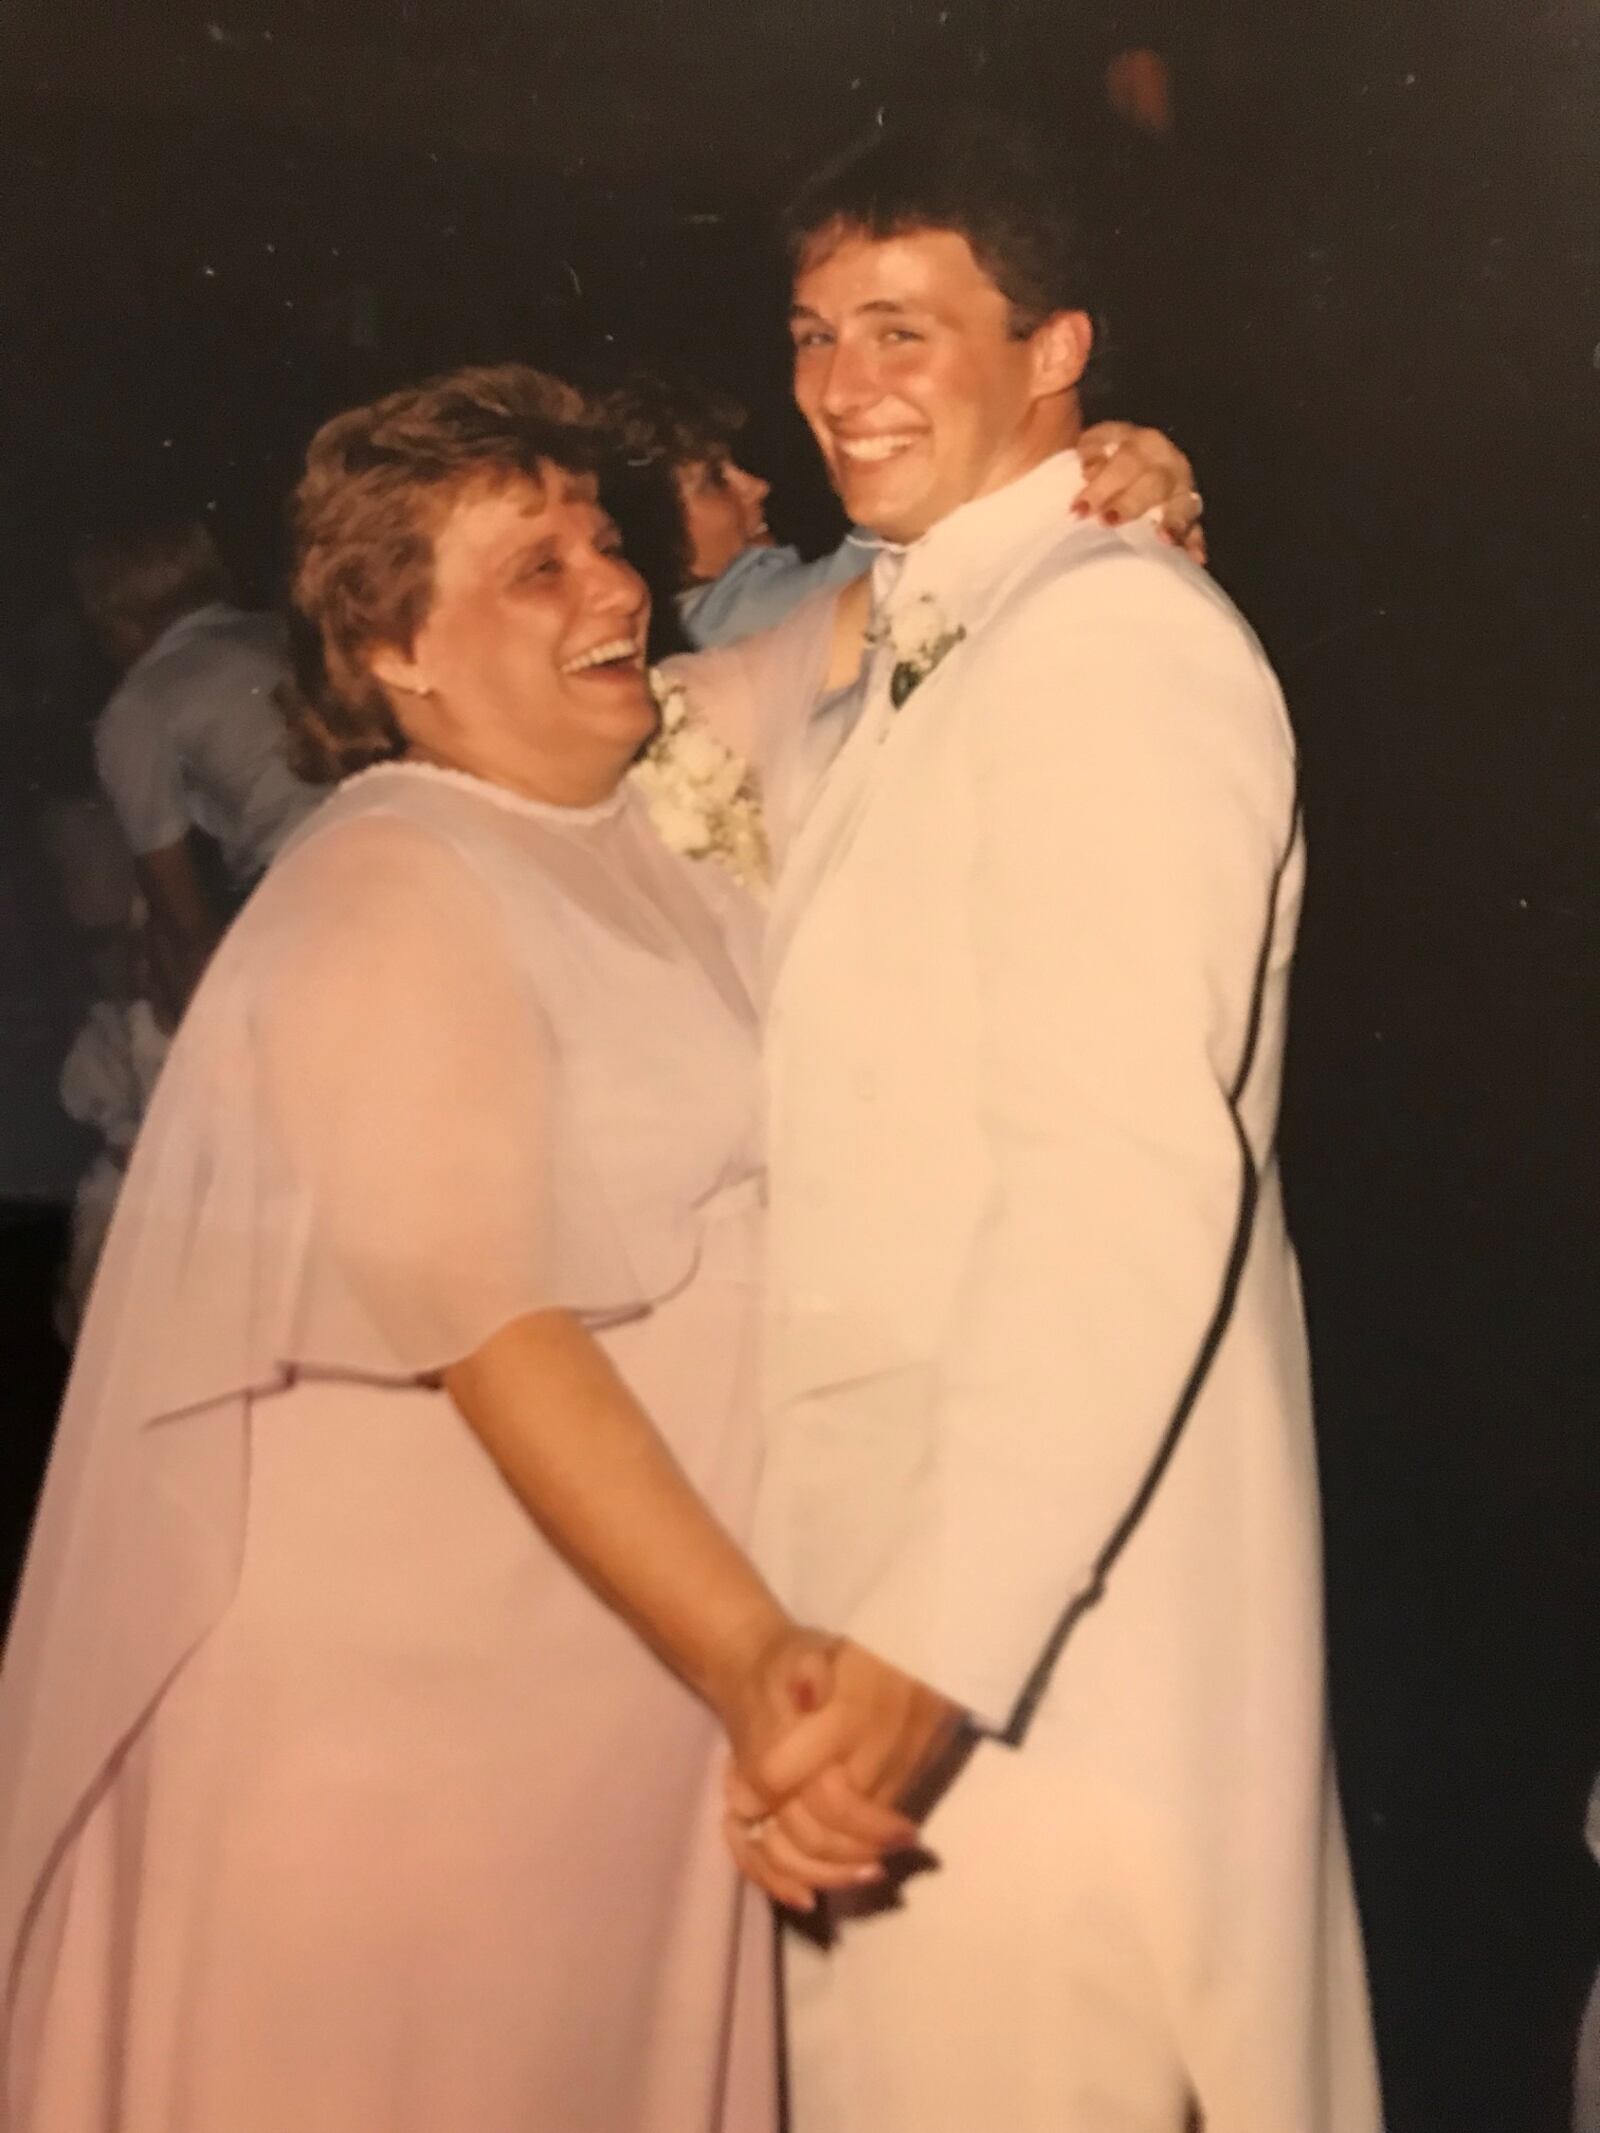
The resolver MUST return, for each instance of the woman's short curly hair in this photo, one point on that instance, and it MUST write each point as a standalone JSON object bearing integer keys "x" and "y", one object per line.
{"x": 378, "y": 483}
{"x": 662, "y": 425}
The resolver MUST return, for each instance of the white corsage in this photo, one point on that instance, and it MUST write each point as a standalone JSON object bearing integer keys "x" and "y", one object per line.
{"x": 701, "y": 796}
{"x": 919, "y": 635}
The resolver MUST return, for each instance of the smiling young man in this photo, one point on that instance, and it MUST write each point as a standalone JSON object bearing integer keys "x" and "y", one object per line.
{"x": 1040, "y": 1436}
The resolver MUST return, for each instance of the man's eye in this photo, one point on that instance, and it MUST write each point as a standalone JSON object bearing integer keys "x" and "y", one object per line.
{"x": 817, "y": 339}
{"x": 900, "y": 333}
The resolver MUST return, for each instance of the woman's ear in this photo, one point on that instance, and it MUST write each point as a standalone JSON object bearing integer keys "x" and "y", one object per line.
{"x": 399, "y": 671}
{"x": 1061, "y": 348}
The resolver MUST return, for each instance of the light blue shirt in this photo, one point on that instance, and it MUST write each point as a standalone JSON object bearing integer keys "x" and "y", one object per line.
{"x": 763, "y": 585}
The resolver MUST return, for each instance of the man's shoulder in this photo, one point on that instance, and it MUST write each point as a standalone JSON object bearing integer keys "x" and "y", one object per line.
{"x": 133, "y": 711}
{"x": 261, "y": 629}
{"x": 1121, "y": 588}
{"x": 1125, "y": 569}
{"x": 1114, "y": 618}
{"x": 221, "y": 671}
{"x": 229, "y": 635}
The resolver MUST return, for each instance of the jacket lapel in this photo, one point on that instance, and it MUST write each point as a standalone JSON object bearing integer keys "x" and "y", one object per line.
{"x": 821, "y": 841}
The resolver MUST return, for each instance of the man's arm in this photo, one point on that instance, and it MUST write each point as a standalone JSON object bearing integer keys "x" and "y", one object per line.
{"x": 184, "y": 926}
{"x": 1135, "y": 789}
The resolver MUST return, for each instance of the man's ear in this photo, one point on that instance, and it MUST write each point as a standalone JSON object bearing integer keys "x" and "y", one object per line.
{"x": 1061, "y": 348}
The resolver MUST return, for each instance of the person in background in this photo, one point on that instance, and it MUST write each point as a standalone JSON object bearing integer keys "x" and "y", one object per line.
{"x": 694, "y": 518}
{"x": 191, "y": 749}
{"x": 107, "y": 1080}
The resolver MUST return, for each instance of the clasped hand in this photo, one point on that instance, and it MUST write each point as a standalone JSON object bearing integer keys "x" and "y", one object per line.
{"x": 827, "y": 1741}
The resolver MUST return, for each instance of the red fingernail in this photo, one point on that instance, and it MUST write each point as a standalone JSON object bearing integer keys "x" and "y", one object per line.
{"x": 1080, "y": 509}
{"x": 1112, "y": 518}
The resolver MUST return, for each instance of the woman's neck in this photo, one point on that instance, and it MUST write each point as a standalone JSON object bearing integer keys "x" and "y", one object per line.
{"x": 575, "y": 785}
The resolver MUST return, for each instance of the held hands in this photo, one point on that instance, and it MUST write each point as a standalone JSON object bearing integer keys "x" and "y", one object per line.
{"x": 1132, "y": 471}
{"x": 830, "y": 1739}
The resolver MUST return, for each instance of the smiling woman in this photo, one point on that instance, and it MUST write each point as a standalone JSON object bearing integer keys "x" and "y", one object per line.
{"x": 470, "y": 610}
{"x": 359, "y": 1726}
{"x": 529, "y": 667}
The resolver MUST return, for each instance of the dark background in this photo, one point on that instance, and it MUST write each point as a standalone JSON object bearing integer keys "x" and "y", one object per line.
{"x": 1357, "y": 279}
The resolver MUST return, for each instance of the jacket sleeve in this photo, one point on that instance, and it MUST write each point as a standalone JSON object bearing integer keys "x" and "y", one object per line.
{"x": 1134, "y": 790}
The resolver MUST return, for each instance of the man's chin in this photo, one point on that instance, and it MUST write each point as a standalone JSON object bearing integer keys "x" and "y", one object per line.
{"x": 890, "y": 502}
{"x": 899, "y": 524}
{"x": 884, "y": 508}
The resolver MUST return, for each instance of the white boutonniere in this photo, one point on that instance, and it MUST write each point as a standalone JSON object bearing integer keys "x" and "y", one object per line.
{"x": 700, "y": 795}
{"x": 919, "y": 634}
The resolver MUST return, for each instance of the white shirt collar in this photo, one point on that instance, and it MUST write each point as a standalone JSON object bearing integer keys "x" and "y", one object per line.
{"x": 967, "y": 554}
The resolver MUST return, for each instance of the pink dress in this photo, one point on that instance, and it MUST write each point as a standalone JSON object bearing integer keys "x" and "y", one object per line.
{"x": 329, "y": 1798}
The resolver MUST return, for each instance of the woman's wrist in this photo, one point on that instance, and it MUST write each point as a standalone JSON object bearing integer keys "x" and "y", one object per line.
{"x": 737, "y": 1651}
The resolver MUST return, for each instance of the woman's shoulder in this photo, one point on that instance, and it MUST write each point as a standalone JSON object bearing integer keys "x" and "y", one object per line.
{"x": 407, "y": 814}
{"x": 368, "y": 827}
{"x": 383, "y": 863}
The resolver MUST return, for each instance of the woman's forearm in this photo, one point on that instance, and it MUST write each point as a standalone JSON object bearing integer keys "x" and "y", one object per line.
{"x": 589, "y": 1467}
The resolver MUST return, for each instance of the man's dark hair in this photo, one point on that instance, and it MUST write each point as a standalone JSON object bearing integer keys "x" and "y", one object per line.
{"x": 147, "y": 575}
{"x": 992, "y": 180}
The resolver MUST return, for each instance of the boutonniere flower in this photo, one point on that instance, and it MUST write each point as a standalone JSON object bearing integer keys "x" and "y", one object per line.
{"x": 920, "y": 635}
{"x": 700, "y": 795}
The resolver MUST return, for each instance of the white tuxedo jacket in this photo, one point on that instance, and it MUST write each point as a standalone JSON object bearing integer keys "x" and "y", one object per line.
{"x": 1039, "y": 1424}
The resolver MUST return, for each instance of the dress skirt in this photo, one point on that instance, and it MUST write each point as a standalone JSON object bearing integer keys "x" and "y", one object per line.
{"x": 420, "y": 1839}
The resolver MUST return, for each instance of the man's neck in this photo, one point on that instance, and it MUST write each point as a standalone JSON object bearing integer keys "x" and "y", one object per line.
{"x": 1053, "y": 426}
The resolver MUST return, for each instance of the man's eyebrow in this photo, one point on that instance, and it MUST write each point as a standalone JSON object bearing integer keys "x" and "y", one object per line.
{"x": 892, "y": 304}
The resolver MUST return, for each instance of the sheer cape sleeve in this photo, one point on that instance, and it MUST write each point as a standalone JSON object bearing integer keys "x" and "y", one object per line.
{"x": 349, "y": 1165}
{"x": 406, "y": 1098}
{"x": 759, "y": 696}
